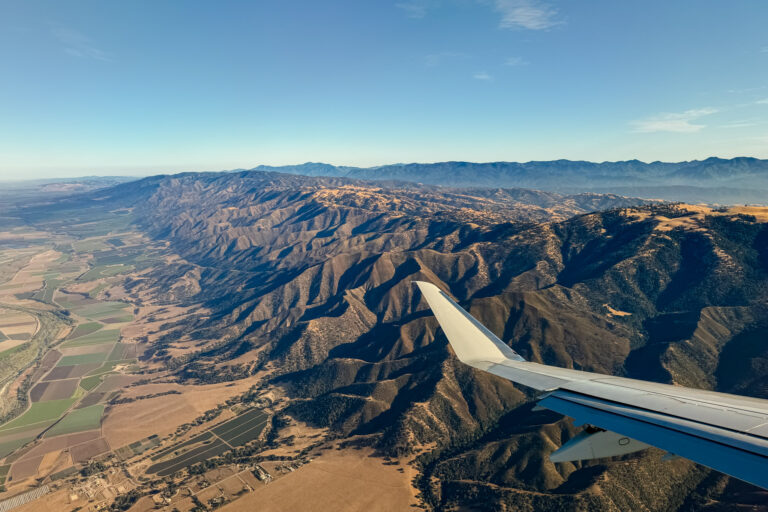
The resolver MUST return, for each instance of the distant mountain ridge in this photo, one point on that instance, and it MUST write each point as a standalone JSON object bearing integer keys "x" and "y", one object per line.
{"x": 714, "y": 180}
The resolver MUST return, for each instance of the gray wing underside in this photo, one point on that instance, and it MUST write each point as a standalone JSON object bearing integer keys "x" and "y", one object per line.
{"x": 725, "y": 432}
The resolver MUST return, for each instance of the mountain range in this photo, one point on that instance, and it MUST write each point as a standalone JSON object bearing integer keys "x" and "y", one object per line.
{"x": 308, "y": 281}
{"x": 714, "y": 180}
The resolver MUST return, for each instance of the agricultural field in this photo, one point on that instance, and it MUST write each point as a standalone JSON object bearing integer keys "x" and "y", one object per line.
{"x": 39, "y": 412}
{"x": 63, "y": 399}
{"x": 85, "y": 388}
{"x": 53, "y": 390}
{"x": 79, "y": 420}
{"x": 215, "y": 441}
{"x": 85, "y": 328}
{"x": 102, "y": 271}
{"x": 16, "y": 328}
{"x": 95, "y": 338}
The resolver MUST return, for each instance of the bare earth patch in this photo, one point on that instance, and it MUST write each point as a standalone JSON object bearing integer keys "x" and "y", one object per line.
{"x": 338, "y": 480}
{"x": 133, "y": 421}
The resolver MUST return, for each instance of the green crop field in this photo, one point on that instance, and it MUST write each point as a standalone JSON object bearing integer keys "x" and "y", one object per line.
{"x": 101, "y": 310}
{"x": 116, "y": 257}
{"x": 88, "y": 418}
{"x": 82, "y": 359}
{"x": 40, "y": 412}
{"x": 90, "y": 383}
{"x": 7, "y": 447}
{"x": 119, "y": 352}
{"x": 88, "y": 246}
{"x": 83, "y": 329}
{"x": 46, "y": 293}
{"x": 102, "y": 336}
{"x": 12, "y": 351}
{"x": 104, "y": 271}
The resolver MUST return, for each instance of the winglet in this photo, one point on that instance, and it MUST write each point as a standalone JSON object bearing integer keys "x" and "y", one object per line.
{"x": 470, "y": 339}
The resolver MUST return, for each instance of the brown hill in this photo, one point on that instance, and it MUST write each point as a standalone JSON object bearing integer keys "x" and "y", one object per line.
{"x": 311, "y": 279}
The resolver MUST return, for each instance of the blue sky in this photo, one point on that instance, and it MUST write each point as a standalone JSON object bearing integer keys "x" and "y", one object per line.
{"x": 94, "y": 87}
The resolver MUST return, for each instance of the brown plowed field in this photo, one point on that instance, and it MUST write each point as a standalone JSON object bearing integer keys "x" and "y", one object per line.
{"x": 86, "y": 451}
{"x": 25, "y": 468}
{"x": 87, "y": 349}
{"x": 53, "y": 390}
{"x": 66, "y": 372}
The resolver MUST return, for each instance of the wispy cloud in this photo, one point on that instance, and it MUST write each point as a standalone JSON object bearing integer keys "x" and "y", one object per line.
{"x": 515, "y": 61}
{"x": 436, "y": 59}
{"x": 482, "y": 75}
{"x": 740, "y": 124}
{"x": 745, "y": 90}
{"x": 413, "y": 9}
{"x": 78, "y": 45}
{"x": 682, "y": 122}
{"x": 762, "y": 102}
{"x": 528, "y": 14}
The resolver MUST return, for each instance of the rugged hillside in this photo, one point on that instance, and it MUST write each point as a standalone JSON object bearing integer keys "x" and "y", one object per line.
{"x": 714, "y": 180}
{"x": 310, "y": 280}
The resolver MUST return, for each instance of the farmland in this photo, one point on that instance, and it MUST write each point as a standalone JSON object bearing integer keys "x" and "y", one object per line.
{"x": 95, "y": 338}
{"x": 215, "y": 441}
{"x": 79, "y": 420}
{"x": 78, "y": 390}
{"x": 37, "y": 313}
{"x": 39, "y": 412}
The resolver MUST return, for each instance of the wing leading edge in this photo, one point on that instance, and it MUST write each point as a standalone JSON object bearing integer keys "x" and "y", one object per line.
{"x": 725, "y": 432}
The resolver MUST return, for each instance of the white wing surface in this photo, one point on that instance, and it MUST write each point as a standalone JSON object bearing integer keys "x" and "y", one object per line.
{"x": 725, "y": 432}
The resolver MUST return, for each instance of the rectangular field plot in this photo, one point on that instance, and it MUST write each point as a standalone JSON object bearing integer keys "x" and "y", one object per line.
{"x": 40, "y": 412}
{"x": 123, "y": 351}
{"x": 86, "y": 451}
{"x": 97, "y": 357}
{"x": 70, "y": 372}
{"x": 199, "y": 454}
{"x": 211, "y": 443}
{"x": 60, "y": 443}
{"x": 91, "y": 399}
{"x": 53, "y": 390}
{"x": 90, "y": 383}
{"x": 16, "y": 328}
{"x": 88, "y": 418}
{"x": 25, "y": 468}
{"x": 100, "y": 271}
{"x": 104, "y": 348}
{"x": 243, "y": 428}
{"x": 83, "y": 329}
{"x": 73, "y": 300}
{"x": 137, "y": 448}
{"x": 118, "y": 319}
{"x": 47, "y": 363}
{"x": 96, "y": 338}
{"x": 85, "y": 246}
{"x": 102, "y": 310}
{"x": 177, "y": 447}
{"x": 64, "y": 473}
{"x": 7, "y": 446}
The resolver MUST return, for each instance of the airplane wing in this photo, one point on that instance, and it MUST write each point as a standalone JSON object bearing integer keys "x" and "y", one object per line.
{"x": 725, "y": 432}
